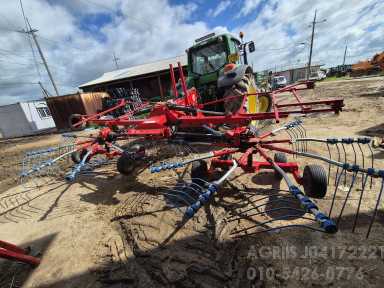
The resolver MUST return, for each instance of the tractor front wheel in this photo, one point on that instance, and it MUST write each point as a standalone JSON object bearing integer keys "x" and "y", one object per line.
{"x": 247, "y": 85}
{"x": 315, "y": 181}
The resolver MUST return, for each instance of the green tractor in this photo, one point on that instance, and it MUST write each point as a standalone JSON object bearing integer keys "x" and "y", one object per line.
{"x": 218, "y": 68}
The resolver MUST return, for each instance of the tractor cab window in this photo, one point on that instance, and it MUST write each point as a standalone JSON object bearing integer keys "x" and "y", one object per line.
{"x": 234, "y": 46}
{"x": 209, "y": 58}
{"x": 234, "y": 50}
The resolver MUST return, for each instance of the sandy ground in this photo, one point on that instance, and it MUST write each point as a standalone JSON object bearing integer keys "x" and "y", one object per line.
{"x": 106, "y": 230}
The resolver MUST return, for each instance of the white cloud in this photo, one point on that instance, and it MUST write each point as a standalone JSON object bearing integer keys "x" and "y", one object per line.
{"x": 147, "y": 30}
{"x": 286, "y": 25}
{"x": 140, "y": 31}
{"x": 223, "y": 5}
{"x": 248, "y": 7}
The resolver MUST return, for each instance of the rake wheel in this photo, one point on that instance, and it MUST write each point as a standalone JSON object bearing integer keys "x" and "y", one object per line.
{"x": 199, "y": 171}
{"x": 130, "y": 159}
{"x": 73, "y": 119}
{"x": 77, "y": 156}
{"x": 279, "y": 158}
{"x": 315, "y": 181}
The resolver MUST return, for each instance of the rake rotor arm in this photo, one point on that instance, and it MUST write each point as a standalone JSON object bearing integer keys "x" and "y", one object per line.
{"x": 347, "y": 166}
{"x": 208, "y": 193}
{"x": 326, "y": 223}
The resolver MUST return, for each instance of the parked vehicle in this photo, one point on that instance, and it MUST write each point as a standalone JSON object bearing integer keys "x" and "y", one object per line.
{"x": 318, "y": 75}
{"x": 279, "y": 82}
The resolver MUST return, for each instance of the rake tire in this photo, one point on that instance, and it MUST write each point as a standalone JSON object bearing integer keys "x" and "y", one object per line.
{"x": 131, "y": 159}
{"x": 199, "y": 171}
{"x": 78, "y": 155}
{"x": 279, "y": 158}
{"x": 73, "y": 119}
{"x": 315, "y": 181}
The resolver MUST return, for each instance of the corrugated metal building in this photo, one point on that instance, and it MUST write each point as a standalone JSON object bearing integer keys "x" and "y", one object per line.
{"x": 79, "y": 103}
{"x": 25, "y": 118}
{"x": 151, "y": 79}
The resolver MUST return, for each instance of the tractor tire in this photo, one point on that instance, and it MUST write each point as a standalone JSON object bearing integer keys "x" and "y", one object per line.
{"x": 78, "y": 155}
{"x": 315, "y": 181}
{"x": 131, "y": 160}
{"x": 279, "y": 158}
{"x": 72, "y": 120}
{"x": 245, "y": 85}
{"x": 199, "y": 172}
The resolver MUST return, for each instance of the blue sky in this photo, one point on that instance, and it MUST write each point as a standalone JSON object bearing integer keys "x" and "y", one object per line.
{"x": 79, "y": 37}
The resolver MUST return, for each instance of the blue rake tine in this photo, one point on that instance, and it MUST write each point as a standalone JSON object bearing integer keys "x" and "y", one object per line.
{"x": 376, "y": 208}
{"x": 346, "y": 197}
{"x": 359, "y": 204}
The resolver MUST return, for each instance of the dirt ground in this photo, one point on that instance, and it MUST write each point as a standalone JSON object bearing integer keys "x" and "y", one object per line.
{"x": 109, "y": 230}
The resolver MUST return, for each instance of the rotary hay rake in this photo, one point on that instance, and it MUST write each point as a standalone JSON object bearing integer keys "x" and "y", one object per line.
{"x": 184, "y": 122}
{"x": 313, "y": 179}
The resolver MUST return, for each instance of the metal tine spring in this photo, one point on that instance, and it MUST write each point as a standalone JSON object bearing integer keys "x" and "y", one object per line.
{"x": 292, "y": 142}
{"x": 295, "y": 136}
{"x": 329, "y": 165}
{"x": 372, "y": 160}
{"x": 283, "y": 198}
{"x": 360, "y": 199}
{"x": 305, "y": 143}
{"x": 185, "y": 192}
{"x": 345, "y": 161}
{"x": 338, "y": 160}
{"x": 301, "y": 131}
{"x": 376, "y": 208}
{"x": 338, "y": 178}
{"x": 363, "y": 165}
{"x": 284, "y": 217}
{"x": 354, "y": 175}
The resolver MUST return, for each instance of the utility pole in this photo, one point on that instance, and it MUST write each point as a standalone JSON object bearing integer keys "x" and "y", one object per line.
{"x": 115, "y": 60}
{"x": 311, "y": 47}
{"x": 345, "y": 54}
{"x": 32, "y": 32}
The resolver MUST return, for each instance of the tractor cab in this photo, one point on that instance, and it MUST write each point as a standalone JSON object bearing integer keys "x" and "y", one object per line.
{"x": 210, "y": 54}
{"x": 217, "y": 67}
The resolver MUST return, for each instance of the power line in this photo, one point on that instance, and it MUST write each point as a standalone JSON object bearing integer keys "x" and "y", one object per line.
{"x": 311, "y": 47}
{"x": 31, "y": 32}
{"x": 29, "y": 41}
